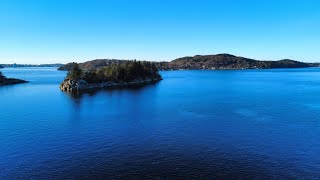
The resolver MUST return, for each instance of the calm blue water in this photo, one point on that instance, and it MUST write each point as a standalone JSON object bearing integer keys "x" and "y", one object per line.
{"x": 251, "y": 124}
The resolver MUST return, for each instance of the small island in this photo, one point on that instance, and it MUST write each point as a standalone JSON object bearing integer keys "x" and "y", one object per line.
{"x": 9, "y": 81}
{"x": 115, "y": 75}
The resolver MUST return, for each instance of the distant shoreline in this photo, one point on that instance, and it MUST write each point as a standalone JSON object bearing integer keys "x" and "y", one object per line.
{"x": 57, "y": 65}
{"x": 202, "y": 62}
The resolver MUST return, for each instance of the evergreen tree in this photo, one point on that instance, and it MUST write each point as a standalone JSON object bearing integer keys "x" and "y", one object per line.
{"x": 75, "y": 73}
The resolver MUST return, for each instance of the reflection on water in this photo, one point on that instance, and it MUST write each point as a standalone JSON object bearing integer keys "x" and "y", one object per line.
{"x": 192, "y": 125}
{"x": 93, "y": 92}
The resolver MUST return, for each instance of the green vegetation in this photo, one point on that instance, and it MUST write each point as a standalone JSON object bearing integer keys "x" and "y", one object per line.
{"x": 127, "y": 71}
{"x": 75, "y": 73}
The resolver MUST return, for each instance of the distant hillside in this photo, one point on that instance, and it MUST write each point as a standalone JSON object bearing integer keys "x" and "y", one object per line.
{"x": 91, "y": 65}
{"x": 227, "y": 61}
{"x": 219, "y": 61}
{"x": 314, "y": 64}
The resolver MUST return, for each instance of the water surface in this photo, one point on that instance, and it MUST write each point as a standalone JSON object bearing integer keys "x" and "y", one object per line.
{"x": 248, "y": 124}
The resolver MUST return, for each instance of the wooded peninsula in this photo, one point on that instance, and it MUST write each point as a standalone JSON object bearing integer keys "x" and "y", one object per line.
{"x": 9, "y": 81}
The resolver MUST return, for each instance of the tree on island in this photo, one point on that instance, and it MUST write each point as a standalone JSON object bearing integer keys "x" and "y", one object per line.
{"x": 75, "y": 73}
{"x": 2, "y": 76}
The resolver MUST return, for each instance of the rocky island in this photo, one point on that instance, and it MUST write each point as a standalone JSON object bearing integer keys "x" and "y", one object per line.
{"x": 9, "y": 81}
{"x": 113, "y": 75}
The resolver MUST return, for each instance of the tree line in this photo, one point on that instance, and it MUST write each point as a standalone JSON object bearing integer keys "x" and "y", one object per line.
{"x": 116, "y": 72}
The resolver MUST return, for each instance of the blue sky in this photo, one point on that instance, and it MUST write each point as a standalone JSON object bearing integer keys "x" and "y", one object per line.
{"x": 49, "y": 31}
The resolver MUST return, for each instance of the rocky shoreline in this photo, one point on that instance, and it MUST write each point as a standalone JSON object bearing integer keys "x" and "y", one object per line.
{"x": 73, "y": 86}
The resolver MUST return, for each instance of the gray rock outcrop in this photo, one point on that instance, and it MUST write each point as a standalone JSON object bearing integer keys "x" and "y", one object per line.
{"x": 81, "y": 85}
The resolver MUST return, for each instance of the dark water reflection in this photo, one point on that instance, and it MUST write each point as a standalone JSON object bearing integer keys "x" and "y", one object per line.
{"x": 192, "y": 125}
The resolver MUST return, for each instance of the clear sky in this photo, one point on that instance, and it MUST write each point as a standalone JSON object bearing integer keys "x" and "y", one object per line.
{"x": 49, "y": 31}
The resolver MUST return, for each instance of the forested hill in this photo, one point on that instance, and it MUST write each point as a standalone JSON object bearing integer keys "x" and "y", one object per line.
{"x": 219, "y": 61}
{"x": 227, "y": 61}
